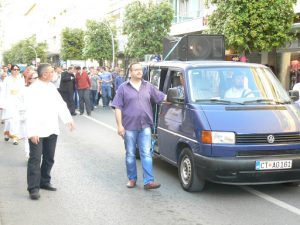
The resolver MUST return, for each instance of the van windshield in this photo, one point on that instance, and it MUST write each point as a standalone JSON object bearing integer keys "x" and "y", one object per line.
{"x": 235, "y": 85}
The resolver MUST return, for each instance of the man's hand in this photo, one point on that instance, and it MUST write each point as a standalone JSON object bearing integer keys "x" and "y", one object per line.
{"x": 35, "y": 139}
{"x": 71, "y": 126}
{"x": 121, "y": 131}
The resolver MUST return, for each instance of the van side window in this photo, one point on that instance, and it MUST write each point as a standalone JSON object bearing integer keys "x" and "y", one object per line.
{"x": 155, "y": 77}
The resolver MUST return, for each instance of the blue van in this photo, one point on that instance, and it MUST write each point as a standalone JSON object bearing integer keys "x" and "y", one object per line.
{"x": 225, "y": 122}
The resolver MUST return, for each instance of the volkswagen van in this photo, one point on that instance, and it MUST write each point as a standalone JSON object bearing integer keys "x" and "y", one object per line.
{"x": 249, "y": 137}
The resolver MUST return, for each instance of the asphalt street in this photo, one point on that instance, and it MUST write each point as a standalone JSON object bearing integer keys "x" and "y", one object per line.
{"x": 89, "y": 172}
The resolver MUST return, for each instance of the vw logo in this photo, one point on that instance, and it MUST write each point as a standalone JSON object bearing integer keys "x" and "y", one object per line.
{"x": 270, "y": 139}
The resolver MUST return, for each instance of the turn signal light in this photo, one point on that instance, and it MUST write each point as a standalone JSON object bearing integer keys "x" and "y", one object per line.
{"x": 206, "y": 137}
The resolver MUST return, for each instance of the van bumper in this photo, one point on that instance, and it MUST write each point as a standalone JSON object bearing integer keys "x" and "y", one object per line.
{"x": 241, "y": 170}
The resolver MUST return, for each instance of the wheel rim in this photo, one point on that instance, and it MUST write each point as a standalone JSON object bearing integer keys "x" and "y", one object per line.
{"x": 186, "y": 170}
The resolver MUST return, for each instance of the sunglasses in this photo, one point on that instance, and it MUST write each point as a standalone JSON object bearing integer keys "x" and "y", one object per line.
{"x": 16, "y": 69}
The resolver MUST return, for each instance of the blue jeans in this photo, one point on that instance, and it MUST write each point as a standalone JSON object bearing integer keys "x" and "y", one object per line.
{"x": 106, "y": 95}
{"x": 142, "y": 139}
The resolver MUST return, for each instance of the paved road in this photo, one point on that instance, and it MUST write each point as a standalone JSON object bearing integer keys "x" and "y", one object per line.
{"x": 89, "y": 173}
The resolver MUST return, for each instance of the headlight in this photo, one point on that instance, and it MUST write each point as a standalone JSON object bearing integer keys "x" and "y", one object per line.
{"x": 217, "y": 137}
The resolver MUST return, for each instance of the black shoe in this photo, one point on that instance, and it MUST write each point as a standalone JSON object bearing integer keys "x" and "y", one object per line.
{"x": 34, "y": 194}
{"x": 73, "y": 114}
{"x": 48, "y": 187}
{"x": 89, "y": 114}
{"x": 81, "y": 113}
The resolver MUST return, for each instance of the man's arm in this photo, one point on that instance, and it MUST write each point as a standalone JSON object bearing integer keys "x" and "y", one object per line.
{"x": 121, "y": 130}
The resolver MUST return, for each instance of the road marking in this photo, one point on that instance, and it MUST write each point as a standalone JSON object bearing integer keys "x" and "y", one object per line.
{"x": 272, "y": 200}
{"x": 100, "y": 123}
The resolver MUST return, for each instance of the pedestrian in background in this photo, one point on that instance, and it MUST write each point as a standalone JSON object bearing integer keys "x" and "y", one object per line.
{"x": 11, "y": 99}
{"x": 114, "y": 75}
{"x": 100, "y": 71}
{"x": 106, "y": 82}
{"x": 83, "y": 85}
{"x": 94, "y": 87}
{"x": 2, "y": 77}
{"x": 30, "y": 78}
{"x": 67, "y": 89}
{"x": 120, "y": 79}
{"x": 134, "y": 117}
{"x": 57, "y": 76}
{"x": 5, "y": 71}
{"x": 44, "y": 106}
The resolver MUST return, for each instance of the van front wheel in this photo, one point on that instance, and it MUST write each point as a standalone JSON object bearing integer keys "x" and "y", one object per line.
{"x": 187, "y": 172}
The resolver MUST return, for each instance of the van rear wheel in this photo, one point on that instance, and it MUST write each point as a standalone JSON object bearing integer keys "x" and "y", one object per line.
{"x": 187, "y": 173}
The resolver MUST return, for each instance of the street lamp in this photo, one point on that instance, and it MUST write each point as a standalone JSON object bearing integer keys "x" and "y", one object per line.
{"x": 112, "y": 44}
{"x": 35, "y": 54}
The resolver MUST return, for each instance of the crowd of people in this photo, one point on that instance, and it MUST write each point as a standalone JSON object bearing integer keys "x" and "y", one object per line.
{"x": 80, "y": 88}
{"x": 32, "y": 101}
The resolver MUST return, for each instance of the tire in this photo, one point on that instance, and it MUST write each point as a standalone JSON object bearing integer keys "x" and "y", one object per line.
{"x": 187, "y": 173}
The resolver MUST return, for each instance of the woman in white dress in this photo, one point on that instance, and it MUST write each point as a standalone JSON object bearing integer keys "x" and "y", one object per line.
{"x": 11, "y": 101}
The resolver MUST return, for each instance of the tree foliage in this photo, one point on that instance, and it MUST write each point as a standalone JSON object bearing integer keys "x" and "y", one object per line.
{"x": 248, "y": 26}
{"x": 146, "y": 24}
{"x": 72, "y": 44}
{"x": 98, "y": 40}
{"x": 21, "y": 52}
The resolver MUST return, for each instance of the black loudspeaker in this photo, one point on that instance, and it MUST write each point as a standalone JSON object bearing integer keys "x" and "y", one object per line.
{"x": 194, "y": 47}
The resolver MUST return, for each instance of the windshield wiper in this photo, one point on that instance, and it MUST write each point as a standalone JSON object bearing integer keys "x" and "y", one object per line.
{"x": 215, "y": 100}
{"x": 265, "y": 100}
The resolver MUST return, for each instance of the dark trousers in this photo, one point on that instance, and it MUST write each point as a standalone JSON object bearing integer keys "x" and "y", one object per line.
{"x": 39, "y": 173}
{"x": 98, "y": 97}
{"x": 68, "y": 98}
{"x": 84, "y": 99}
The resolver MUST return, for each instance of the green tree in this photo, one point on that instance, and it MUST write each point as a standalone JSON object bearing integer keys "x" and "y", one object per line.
{"x": 72, "y": 44}
{"x": 260, "y": 25}
{"x": 22, "y": 53}
{"x": 98, "y": 41}
{"x": 146, "y": 25}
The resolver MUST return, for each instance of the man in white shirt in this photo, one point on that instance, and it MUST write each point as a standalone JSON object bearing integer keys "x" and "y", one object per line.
{"x": 43, "y": 106}
{"x": 238, "y": 90}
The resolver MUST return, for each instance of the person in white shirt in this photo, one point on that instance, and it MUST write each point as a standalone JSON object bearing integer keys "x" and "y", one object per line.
{"x": 44, "y": 105}
{"x": 56, "y": 79}
{"x": 11, "y": 97}
{"x": 238, "y": 90}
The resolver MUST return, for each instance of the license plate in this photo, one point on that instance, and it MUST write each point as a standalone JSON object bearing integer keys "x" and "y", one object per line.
{"x": 273, "y": 165}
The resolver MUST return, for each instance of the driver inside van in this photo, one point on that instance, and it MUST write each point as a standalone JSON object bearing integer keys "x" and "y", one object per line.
{"x": 238, "y": 90}
{"x": 180, "y": 87}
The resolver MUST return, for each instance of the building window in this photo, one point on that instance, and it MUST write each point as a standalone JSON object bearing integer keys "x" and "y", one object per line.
{"x": 185, "y": 10}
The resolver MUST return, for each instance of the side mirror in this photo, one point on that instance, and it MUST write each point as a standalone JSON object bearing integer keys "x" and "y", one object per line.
{"x": 294, "y": 95}
{"x": 173, "y": 96}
